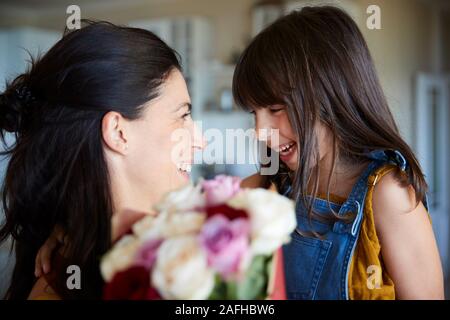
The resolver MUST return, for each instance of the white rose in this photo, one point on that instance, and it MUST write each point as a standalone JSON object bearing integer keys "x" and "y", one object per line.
{"x": 187, "y": 198}
{"x": 181, "y": 270}
{"x": 272, "y": 218}
{"x": 167, "y": 225}
{"x": 120, "y": 257}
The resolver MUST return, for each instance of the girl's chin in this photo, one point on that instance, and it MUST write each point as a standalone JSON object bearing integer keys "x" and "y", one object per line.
{"x": 292, "y": 166}
{"x": 290, "y": 159}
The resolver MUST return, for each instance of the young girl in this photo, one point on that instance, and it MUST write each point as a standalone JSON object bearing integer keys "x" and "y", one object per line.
{"x": 363, "y": 227}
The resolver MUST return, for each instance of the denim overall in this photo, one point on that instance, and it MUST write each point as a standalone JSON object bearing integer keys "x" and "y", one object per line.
{"x": 317, "y": 269}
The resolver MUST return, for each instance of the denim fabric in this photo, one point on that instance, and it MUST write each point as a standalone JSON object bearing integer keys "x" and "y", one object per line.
{"x": 317, "y": 268}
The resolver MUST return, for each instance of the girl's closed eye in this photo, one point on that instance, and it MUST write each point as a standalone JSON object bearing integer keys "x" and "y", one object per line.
{"x": 276, "y": 109}
{"x": 271, "y": 109}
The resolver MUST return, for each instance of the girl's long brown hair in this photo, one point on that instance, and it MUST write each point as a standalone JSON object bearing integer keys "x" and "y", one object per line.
{"x": 317, "y": 64}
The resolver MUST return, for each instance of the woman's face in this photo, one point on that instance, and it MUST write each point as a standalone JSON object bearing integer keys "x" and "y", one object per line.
{"x": 146, "y": 157}
{"x": 275, "y": 119}
{"x": 158, "y": 160}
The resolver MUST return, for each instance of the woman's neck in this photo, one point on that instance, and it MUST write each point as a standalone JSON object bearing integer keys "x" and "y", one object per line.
{"x": 128, "y": 206}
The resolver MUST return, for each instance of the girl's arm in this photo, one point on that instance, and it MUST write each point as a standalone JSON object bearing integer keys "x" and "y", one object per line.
{"x": 257, "y": 181}
{"x": 408, "y": 245}
{"x": 253, "y": 181}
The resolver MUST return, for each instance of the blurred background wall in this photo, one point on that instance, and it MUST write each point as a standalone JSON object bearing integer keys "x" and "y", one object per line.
{"x": 411, "y": 52}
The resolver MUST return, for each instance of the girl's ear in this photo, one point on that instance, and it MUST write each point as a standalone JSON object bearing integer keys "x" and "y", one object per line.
{"x": 114, "y": 132}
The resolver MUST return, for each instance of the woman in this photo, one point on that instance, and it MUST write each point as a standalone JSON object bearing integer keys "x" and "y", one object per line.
{"x": 93, "y": 121}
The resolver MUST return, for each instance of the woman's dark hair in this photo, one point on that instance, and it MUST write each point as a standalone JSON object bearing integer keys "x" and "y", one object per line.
{"x": 317, "y": 64}
{"x": 57, "y": 174}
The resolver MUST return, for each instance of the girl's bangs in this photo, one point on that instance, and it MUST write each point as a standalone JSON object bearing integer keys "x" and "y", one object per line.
{"x": 256, "y": 84}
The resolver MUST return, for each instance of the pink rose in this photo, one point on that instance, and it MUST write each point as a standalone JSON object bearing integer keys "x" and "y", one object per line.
{"x": 226, "y": 243}
{"x": 146, "y": 255}
{"x": 220, "y": 189}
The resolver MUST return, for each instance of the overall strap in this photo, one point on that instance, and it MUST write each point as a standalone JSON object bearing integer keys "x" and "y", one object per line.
{"x": 396, "y": 158}
{"x": 355, "y": 201}
{"x": 389, "y": 157}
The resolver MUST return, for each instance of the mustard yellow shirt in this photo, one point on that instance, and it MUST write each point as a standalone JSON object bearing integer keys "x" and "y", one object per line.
{"x": 368, "y": 277}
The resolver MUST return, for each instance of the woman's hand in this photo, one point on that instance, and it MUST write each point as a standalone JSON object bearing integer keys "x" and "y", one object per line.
{"x": 44, "y": 255}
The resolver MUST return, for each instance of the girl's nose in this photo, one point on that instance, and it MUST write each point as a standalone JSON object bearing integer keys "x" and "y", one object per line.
{"x": 264, "y": 128}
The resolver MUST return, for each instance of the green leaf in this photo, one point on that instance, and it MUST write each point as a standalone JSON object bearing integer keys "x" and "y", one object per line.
{"x": 256, "y": 279}
{"x": 220, "y": 290}
{"x": 253, "y": 286}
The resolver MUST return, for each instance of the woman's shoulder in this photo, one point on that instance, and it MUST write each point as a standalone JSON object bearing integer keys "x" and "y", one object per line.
{"x": 43, "y": 291}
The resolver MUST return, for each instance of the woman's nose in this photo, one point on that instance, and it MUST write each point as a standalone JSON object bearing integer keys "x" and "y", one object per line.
{"x": 199, "y": 141}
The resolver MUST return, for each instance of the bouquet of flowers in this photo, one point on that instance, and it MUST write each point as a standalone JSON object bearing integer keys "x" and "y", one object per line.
{"x": 212, "y": 240}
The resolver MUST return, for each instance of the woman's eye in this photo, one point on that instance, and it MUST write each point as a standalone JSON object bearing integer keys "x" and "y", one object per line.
{"x": 187, "y": 114}
{"x": 253, "y": 112}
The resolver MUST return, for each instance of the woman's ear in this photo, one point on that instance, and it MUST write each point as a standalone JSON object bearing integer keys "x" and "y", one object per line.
{"x": 114, "y": 132}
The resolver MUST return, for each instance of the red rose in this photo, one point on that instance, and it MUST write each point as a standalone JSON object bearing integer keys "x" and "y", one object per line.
{"x": 227, "y": 211}
{"x": 131, "y": 284}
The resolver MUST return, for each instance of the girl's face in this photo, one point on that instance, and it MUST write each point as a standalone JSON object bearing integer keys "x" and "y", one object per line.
{"x": 276, "y": 118}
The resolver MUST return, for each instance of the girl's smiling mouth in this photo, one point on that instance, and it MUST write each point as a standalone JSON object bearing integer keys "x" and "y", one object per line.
{"x": 286, "y": 151}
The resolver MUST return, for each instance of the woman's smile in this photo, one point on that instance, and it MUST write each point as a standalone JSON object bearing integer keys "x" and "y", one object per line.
{"x": 184, "y": 169}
